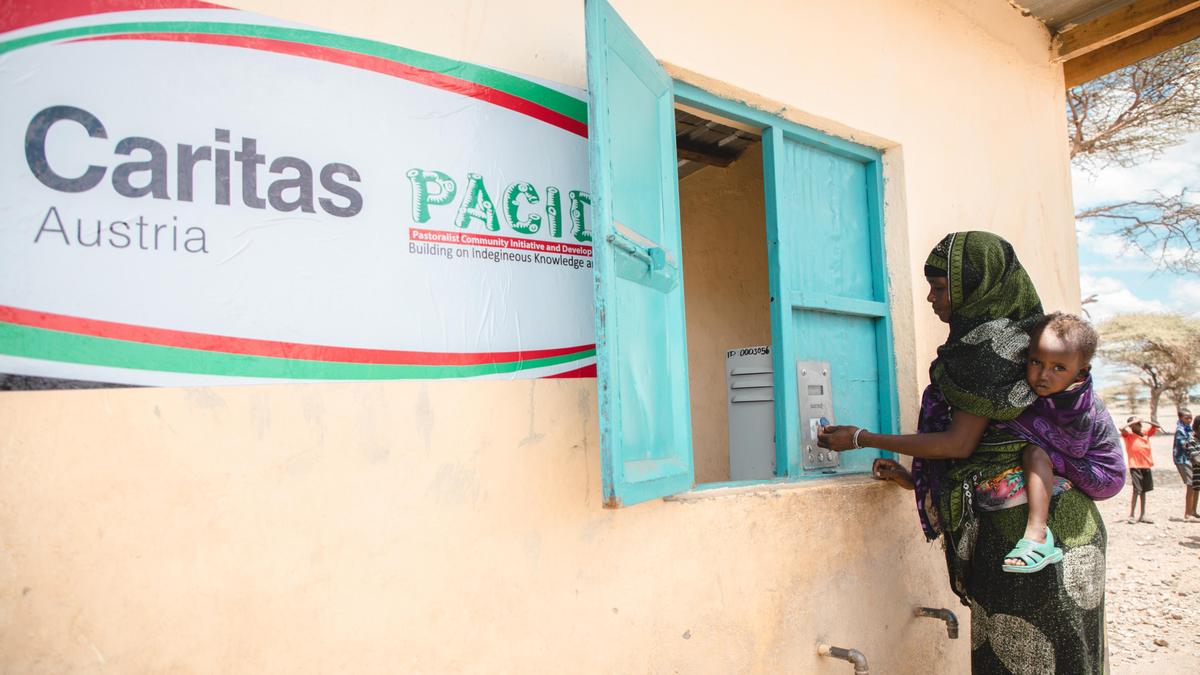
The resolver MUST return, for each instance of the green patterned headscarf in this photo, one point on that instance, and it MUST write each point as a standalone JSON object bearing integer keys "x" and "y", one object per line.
{"x": 981, "y": 367}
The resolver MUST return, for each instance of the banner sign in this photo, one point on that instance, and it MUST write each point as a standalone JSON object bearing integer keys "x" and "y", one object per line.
{"x": 191, "y": 194}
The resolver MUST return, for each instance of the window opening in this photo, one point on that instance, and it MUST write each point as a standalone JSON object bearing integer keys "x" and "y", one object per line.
{"x": 821, "y": 201}
{"x": 726, "y": 295}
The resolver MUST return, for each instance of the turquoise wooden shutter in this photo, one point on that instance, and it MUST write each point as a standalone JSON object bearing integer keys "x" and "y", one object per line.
{"x": 828, "y": 283}
{"x": 641, "y": 347}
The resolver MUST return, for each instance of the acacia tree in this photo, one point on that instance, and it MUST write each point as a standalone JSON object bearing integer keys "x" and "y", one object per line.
{"x": 1132, "y": 115}
{"x": 1124, "y": 393}
{"x": 1135, "y": 113}
{"x": 1161, "y": 350}
{"x": 1132, "y": 388}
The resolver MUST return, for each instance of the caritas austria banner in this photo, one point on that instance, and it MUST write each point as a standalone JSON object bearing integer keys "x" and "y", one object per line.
{"x": 196, "y": 195}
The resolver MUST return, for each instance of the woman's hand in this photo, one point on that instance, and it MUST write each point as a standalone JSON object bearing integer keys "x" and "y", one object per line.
{"x": 836, "y": 438}
{"x": 891, "y": 470}
{"x": 957, "y": 442}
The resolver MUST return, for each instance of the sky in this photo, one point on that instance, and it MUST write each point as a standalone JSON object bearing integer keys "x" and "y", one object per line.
{"x": 1124, "y": 279}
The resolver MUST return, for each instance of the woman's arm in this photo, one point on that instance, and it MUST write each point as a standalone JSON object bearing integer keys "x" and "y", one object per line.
{"x": 957, "y": 442}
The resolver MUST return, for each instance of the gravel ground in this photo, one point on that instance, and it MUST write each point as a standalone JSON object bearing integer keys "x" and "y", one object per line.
{"x": 1153, "y": 586}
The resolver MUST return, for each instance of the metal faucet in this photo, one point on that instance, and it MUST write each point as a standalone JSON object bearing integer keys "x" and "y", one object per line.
{"x": 943, "y": 614}
{"x": 852, "y": 655}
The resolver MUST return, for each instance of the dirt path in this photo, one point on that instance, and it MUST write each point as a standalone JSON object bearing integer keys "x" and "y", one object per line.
{"x": 1153, "y": 587}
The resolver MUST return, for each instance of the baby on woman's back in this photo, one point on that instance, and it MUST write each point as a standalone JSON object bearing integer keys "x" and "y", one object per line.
{"x": 1068, "y": 430}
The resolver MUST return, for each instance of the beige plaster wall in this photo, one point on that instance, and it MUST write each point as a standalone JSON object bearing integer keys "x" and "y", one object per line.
{"x": 456, "y": 527}
{"x": 422, "y": 527}
{"x": 728, "y": 296}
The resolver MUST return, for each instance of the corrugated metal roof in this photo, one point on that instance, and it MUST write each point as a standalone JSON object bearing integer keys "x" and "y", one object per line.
{"x": 1061, "y": 14}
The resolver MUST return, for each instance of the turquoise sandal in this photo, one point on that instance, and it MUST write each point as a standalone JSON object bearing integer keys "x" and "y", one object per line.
{"x": 1035, "y": 555}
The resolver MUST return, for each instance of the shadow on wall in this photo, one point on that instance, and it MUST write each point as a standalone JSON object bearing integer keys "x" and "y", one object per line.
{"x": 30, "y": 383}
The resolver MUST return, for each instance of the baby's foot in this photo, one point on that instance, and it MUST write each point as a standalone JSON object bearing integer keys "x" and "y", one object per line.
{"x": 1030, "y": 556}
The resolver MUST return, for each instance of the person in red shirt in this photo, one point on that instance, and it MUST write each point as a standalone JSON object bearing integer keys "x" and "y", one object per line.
{"x": 1137, "y": 447}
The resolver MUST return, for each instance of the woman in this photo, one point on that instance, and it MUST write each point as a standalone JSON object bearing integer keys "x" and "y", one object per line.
{"x": 1194, "y": 456}
{"x": 966, "y": 472}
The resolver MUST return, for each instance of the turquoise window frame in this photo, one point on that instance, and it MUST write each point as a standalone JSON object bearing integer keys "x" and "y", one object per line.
{"x": 775, "y": 132}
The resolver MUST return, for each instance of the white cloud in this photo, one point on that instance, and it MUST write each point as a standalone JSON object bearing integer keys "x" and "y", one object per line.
{"x": 1117, "y": 249}
{"x": 1185, "y": 295}
{"x": 1107, "y": 245}
{"x": 1178, "y": 168}
{"x": 1110, "y": 245}
{"x": 1114, "y": 297}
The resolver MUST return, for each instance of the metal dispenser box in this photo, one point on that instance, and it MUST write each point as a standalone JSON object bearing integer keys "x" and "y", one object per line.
{"x": 815, "y": 397}
{"x": 750, "y": 390}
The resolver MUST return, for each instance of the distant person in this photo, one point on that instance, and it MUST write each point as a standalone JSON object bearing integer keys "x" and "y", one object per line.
{"x": 1195, "y": 455}
{"x": 1141, "y": 461}
{"x": 1072, "y": 438}
{"x": 1181, "y": 455}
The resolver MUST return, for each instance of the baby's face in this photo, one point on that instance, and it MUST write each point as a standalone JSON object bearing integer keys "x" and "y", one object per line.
{"x": 1052, "y": 365}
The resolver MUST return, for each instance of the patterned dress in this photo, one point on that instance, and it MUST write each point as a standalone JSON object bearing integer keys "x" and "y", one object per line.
{"x": 1050, "y": 621}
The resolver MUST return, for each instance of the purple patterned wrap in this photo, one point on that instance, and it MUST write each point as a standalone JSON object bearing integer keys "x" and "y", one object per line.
{"x": 928, "y": 473}
{"x": 1078, "y": 434}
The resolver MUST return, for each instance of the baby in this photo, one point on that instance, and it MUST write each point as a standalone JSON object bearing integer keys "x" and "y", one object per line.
{"x": 1068, "y": 430}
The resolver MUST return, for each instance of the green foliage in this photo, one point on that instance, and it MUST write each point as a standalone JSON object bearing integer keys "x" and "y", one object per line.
{"x": 1161, "y": 350}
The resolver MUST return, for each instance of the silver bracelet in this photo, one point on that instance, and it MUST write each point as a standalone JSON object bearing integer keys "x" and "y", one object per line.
{"x": 854, "y": 440}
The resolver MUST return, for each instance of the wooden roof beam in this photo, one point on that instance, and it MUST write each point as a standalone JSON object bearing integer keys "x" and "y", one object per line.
{"x": 697, "y": 152}
{"x": 1119, "y": 24}
{"x": 1129, "y": 50}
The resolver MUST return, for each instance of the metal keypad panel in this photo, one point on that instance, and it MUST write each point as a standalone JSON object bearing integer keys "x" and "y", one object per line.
{"x": 815, "y": 397}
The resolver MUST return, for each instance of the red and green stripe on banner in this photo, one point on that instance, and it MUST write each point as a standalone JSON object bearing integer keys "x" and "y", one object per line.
{"x": 59, "y": 337}
{"x": 55, "y": 337}
{"x": 492, "y": 86}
